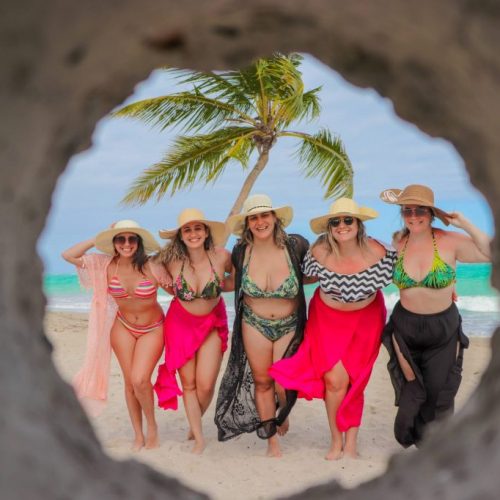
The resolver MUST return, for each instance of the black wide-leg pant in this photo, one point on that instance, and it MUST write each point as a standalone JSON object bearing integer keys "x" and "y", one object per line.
{"x": 429, "y": 342}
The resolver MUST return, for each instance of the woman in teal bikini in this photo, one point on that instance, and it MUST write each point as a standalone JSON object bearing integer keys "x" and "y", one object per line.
{"x": 424, "y": 335}
{"x": 195, "y": 326}
{"x": 269, "y": 323}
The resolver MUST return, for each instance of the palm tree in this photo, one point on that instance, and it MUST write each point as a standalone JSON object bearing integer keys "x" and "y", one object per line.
{"x": 231, "y": 114}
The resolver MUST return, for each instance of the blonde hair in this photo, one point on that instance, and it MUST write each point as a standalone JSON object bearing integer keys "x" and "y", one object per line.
{"x": 331, "y": 244}
{"x": 177, "y": 249}
{"x": 279, "y": 234}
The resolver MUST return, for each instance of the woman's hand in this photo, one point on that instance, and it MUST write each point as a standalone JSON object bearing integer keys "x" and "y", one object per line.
{"x": 161, "y": 274}
{"x": 74, "y": 254}
{"x": 457, "y": 220}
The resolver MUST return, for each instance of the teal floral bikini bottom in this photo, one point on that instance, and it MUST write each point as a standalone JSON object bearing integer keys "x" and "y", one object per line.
{"x": 272, "y": 329}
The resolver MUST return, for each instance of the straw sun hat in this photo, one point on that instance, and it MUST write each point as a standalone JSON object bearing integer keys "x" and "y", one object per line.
{"x": 258, "y": 204}
{"x": 194, "y": 215}
{"x": 104, "y": 240}
{"x": 414, "y": 194}
{"x": 341, "y": 207}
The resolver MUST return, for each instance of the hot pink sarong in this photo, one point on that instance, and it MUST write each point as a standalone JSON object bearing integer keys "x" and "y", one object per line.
{"x": 184, "y": 334}
{"x": 352, "y": 337}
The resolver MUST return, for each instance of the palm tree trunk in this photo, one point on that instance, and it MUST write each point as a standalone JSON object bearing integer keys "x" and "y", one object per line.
{"x": 247, "y": 186}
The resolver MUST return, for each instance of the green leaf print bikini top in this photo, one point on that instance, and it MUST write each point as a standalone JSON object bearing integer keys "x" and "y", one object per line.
{"x": 185, "y": 292}
{"x": 287, "y": 290}
{"x": 441, "y": 274}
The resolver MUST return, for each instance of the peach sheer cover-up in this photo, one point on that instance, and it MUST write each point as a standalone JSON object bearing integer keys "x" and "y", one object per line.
{"x": 184, "y": 334}
{"x": 91, "y": 381}
{"x": 352, "y": 337}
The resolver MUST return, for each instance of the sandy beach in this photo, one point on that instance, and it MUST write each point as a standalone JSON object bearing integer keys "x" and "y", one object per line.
{"x": 238, "y": 468}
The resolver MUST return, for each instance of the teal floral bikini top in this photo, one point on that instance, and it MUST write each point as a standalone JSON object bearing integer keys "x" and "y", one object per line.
{"x": 184, "y": 291}
{"x": 289, "y": 289}
{"x": 441, "y": 274}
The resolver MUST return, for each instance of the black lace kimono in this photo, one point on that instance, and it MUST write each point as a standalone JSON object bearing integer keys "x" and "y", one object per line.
{"x": 235, "y": 411}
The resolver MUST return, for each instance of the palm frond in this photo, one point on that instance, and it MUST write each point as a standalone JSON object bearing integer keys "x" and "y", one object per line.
{"x": 324, "y": 156}
{"x": 187, "y": 110}
{"x": 193, "y": 159}
{"x": 221, "y": 86}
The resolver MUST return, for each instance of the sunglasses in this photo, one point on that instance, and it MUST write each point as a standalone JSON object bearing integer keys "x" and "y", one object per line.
{"x": 418, "y": 211}
{"x": 131, "y": 240}
{"x": 335, "y": 221}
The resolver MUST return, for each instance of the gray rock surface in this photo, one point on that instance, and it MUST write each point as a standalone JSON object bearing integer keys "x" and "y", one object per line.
{"x": 66, "y": 63}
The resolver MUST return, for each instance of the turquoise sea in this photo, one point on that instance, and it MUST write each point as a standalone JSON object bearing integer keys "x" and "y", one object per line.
{"x": 478, "y": 302}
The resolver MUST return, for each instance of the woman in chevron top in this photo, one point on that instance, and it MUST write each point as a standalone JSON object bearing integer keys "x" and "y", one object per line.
{"x": 346, "y": 317}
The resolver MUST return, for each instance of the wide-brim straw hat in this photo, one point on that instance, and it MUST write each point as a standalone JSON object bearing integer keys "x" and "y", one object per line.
{"x": 414, "y": 194}
{"x": 342, "y": 207}
{"x": 217, "y": 229}
{"x": 104, "y": 240}
{"x": 258, "y": 204}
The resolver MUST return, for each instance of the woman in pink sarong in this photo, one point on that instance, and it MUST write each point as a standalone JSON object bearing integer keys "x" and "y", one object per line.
{"x": 125, "y": 315}
{"x": 346, "y": 317}
{"x": 195, "y": 327}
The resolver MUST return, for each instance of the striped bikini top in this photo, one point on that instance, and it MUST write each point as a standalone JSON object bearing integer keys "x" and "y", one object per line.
{"x": 144, "y": 289}
{"x": 441, "y": 274}
{"x": 287, "y": 290}
{"x": 185, "y": 292}
{"x": 352, "y": 287}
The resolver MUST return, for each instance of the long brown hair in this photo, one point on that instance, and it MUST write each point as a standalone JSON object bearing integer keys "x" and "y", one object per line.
{"x": 176, "y": 249}
{"x": 279, "y": 233}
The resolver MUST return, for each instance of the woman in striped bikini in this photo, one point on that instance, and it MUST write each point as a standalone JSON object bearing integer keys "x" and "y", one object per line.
{"x": 125, "y": 316}
{"x": 346, "y": 317}
{"x": 195, "y": 326}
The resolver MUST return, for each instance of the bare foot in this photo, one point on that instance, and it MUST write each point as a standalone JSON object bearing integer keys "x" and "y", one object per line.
{"x": 283, "y": 428}
{"x": 351, "y": 453}
{"x": 273, "y": 448}
{"x": 152, "y": 440}
{"x": 138, "y": 443}
{"x": 334, "y": 453}
{"x": 190, "y": 435}
{"x": 198, "y": 447}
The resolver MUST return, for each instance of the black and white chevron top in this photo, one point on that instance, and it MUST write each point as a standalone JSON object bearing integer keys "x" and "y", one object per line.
{"x": 352, "y": 287}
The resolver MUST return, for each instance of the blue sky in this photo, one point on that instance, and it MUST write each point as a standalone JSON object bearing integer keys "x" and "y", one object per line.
{"x": 385, "y": 152}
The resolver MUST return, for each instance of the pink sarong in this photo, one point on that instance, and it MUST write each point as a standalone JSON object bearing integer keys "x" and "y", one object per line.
{"x": 184, "y": 334}
{"x": 352, "y": 337}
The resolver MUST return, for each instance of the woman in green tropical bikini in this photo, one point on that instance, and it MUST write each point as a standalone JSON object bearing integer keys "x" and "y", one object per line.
{"x": 269, "y": 323}
{"x": 424, "y": 335}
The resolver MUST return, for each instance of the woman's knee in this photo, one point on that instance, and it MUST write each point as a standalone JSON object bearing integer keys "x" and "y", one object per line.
{"x": 188, "y": 384}
{"x": 263, "y": 383}
{"x": 129, "y": 387}
{"x": 140, "y": 383}
{"x": 335, "y": 384}
{"x": 205, "y": 389}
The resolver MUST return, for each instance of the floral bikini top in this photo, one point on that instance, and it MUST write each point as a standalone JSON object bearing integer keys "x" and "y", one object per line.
{"x": 441, "y": 274}
{"x": 144, "y": 289}
{"x": 185, "y": 292}
{"x": 289, "y": 289}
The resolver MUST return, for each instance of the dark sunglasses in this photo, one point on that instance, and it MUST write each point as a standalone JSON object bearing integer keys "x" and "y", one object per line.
{"x": 335, "y": 221}
{"x": 418, "y": 212}
{"x": 131, "y": 240}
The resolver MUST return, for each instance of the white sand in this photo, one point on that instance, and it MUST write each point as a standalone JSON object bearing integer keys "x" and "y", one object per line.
{"x": 238, "y": 468}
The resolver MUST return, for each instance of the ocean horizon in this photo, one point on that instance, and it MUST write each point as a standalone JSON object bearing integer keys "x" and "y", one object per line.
{"x": 478, "y": 302}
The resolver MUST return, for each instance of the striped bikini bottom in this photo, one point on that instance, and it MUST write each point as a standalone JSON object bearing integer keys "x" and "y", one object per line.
{"x": 138, "y": 329}
{"x": 272, "y": 329}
